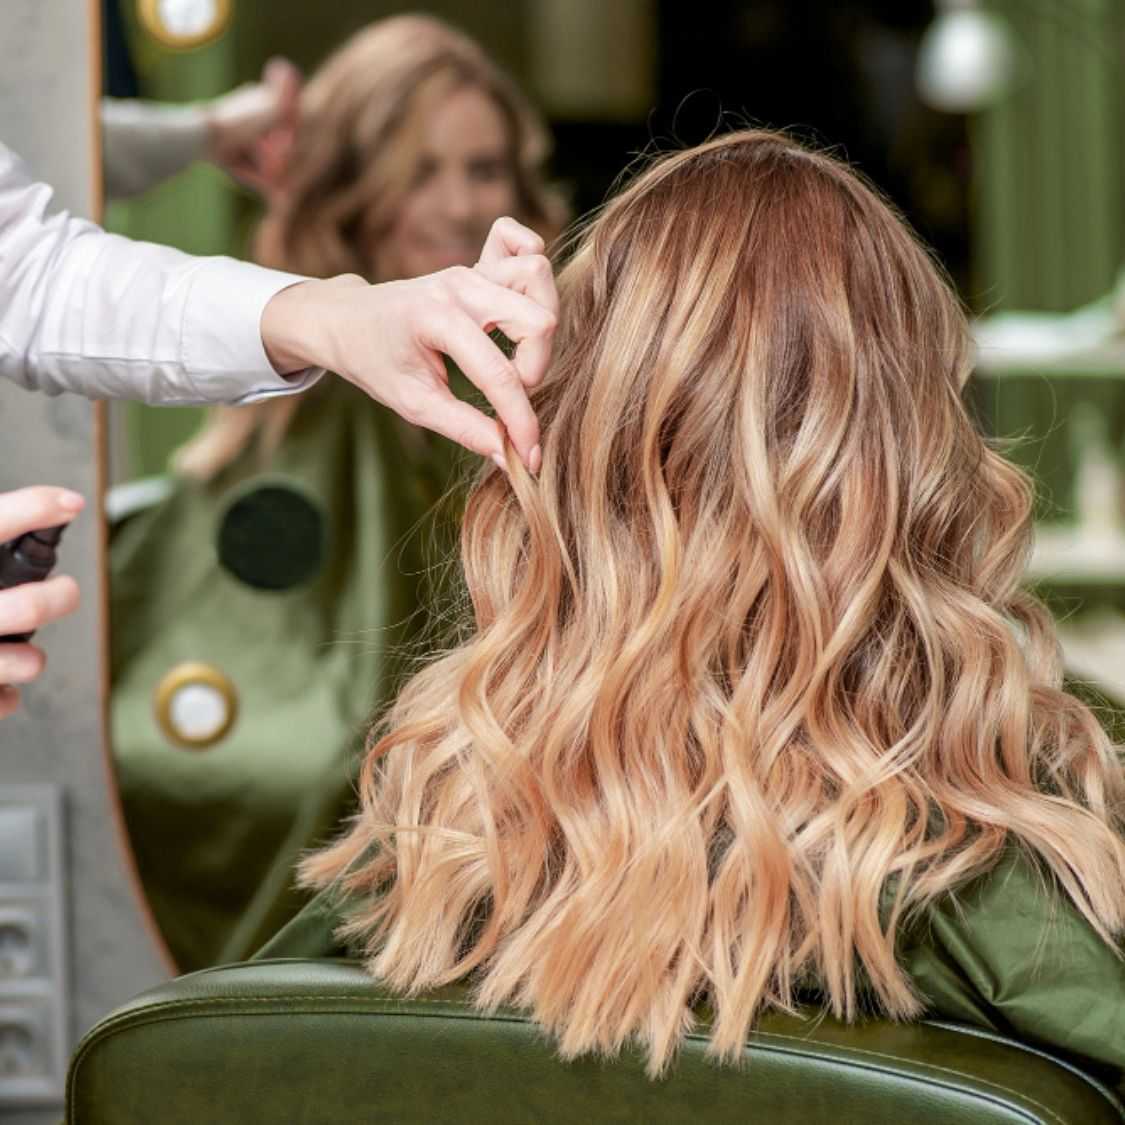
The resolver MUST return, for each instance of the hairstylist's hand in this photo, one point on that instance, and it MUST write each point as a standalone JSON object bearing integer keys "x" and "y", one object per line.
{"x": 25, "y": 608}
{"x": 389, "y": 339}
{"x": 250, "y": 126}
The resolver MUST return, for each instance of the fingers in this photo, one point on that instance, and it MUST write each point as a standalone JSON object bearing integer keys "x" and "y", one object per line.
{"x": 532, "y": 276}
{"x": 523, "y": 320}
{"x": 529, "y": 274}
{"x": 508, "y": 238}
{"x": 23, "y": 609}
{"x": 246, "y": 171}
{"x": 387, "y": 338}
{"x": 36, "y": 508}
{"x": 513, "y": 257}
{"x": 284, "y": 79}
{"x": 447, "y": 415}
{"x": 241, "y": 120}
{"x": 9, "y": 700}
{"x": 269, "y": 163}
{"x": 263, "y": 165}
{"x": 20, "y": 663}
{"x": 459, "y": 336}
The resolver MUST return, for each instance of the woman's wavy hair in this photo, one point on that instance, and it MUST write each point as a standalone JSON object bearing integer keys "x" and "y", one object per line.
{"x": 753, "y": 677}
{"x": 352, "y": 163}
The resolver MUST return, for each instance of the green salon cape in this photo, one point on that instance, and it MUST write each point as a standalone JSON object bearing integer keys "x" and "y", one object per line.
{"x": 216, "y": 832}
{"x": 1008, "y": 952}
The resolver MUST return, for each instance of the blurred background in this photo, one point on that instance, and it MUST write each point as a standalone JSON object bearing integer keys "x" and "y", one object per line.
{"x": 997, "y": 127}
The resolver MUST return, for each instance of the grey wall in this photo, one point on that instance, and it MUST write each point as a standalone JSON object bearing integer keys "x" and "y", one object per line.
{"x": 110, "y": 951}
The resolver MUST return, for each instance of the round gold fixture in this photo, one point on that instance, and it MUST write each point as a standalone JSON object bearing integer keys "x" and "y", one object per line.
{"x": 196, "y": 705}
{"x": 184, "y": 24}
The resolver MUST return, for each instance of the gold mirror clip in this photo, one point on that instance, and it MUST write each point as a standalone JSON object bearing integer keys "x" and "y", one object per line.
{"x": 195, "y": 705}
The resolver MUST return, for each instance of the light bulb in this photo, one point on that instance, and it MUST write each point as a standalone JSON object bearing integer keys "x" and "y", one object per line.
{"x": 965, "y": 61}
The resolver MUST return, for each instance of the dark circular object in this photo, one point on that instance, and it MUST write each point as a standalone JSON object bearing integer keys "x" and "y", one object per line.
{"x": 272, "y": 537}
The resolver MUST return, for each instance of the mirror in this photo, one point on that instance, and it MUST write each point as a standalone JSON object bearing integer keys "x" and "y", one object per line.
{"x": 271, "y": 566}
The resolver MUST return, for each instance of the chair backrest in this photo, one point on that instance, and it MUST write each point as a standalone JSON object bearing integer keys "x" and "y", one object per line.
{"x": 316, "y": 1041}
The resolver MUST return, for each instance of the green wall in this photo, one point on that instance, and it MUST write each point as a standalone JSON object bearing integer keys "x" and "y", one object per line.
{"x": 1050, "y": 193}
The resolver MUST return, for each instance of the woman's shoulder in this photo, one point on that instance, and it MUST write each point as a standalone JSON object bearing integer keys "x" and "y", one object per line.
{"x": 1010, "y": 951}
{"x": 310, "y": 933}
{"x": 1017, "y": 905}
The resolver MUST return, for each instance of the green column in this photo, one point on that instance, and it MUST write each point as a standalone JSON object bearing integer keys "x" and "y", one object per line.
{"x": 1050, "y": 190}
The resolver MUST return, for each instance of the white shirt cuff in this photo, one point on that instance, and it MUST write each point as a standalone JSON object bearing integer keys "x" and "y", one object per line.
{"x": 221, "y": 343}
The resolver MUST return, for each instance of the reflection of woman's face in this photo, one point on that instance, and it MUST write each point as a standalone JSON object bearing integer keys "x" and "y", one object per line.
{"x": 462, "y": 185}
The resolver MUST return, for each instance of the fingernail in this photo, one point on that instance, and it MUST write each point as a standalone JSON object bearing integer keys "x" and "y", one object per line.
{"x": 71, "y": 501}
{"x": 501, "y": 464}
{"x": 535, "y": 460}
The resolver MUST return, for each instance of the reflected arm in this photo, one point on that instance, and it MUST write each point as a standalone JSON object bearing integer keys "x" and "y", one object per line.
{"x": 145, "y": 143}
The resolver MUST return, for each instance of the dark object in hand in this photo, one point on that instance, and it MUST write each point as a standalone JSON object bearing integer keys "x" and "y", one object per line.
{"x": 29, "y": 558}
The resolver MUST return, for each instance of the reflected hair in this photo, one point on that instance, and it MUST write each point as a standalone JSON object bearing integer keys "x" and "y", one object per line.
{"x": 357, "y": 146}
{"x": 752, "y": 678}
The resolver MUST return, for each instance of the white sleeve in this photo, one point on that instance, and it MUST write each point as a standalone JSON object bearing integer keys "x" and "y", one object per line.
{"x": 144, "y": 143}
{"x": 86, "y": 311}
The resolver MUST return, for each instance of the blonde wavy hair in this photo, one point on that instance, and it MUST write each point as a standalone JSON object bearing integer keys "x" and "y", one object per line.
{"x": 753, "y": 677}
{"x": 352, "y": 164}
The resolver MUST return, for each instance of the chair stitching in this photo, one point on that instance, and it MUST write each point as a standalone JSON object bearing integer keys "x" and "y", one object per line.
{"x": 103, "y": 1030}
{"x": 1027, "y": 1048}
{"x": 125, "y": 1017}
{"x": 823, "y": 1057}
{"x": 932, "y": 1066}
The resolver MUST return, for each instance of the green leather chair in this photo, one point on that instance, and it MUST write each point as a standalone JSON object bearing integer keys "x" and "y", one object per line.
{"x": 304, "y": 1042}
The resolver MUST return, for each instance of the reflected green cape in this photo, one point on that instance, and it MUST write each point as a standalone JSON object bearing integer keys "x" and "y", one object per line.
{"x": 216, "y": 832}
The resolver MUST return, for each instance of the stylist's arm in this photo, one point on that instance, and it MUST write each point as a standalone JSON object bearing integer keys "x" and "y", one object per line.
{"x": 389, "y": 339}
{"x": 23, "y": 609}
{"x": 92, "y": 313}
